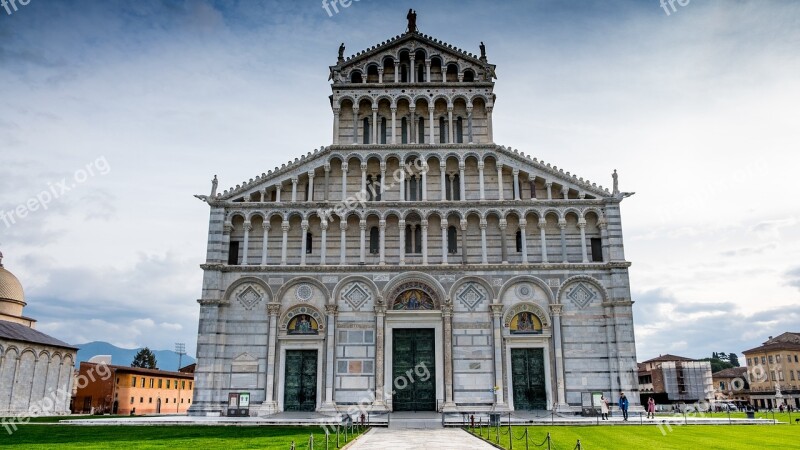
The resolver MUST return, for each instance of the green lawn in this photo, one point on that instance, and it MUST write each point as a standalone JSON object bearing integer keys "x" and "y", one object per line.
{"x": 163, "y": 437}
{"x": 706, "y": 437}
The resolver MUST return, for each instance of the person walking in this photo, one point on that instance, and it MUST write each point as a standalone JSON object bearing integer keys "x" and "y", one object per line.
{"x": 623, "y": 405}
{"x": 603, "y": 407}
{"x": 651, "y": 408}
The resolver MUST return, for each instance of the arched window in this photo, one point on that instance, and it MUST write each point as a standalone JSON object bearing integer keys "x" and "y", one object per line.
{"x": 460, "y": 130}
{"x": 421, "y": 73}
{"x": 370, "y": 189}
{"x": 413, "y": 194}
{"x": 383, "y": 130}
{"x": 469, "y": 76}
{"x": 442, "y": 130}
{"x": 356, "y": 78}
{"x": 366, "y": 131}
{"x": 413, "y": 239}
{"x": 452, "y": 240}
{"x": 309, "y": 242}
{"x": 403, "y": 73}
{"x": 421, "y": 130}
{"x": 404, "y": 130}
{"x": 456, "y": 187}
{"x": 519, "y": 241}
{"x": 374, "y": 240}
{"x": 418, "y": 239}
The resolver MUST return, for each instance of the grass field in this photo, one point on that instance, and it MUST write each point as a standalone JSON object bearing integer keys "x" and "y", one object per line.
{"x": 706, "y": 437}
{"x": 162, "y": 437}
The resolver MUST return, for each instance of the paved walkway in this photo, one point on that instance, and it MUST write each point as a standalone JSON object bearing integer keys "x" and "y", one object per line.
{"x": 446, "y": 438}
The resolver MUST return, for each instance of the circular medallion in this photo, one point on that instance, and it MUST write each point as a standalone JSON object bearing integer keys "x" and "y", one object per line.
{"x": 524, "y": 291}
{"x": 304, "y": 292}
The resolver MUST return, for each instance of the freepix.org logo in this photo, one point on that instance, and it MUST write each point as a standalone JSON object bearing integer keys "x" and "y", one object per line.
{"x": 11, "y": 5}
{"x": 332, "y": 6}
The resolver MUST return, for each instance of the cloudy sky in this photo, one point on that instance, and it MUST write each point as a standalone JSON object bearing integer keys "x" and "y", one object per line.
{"x": 121, "y": 111}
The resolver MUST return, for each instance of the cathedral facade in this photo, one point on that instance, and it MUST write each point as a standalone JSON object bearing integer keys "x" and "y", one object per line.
{"x": 414, "y": 264}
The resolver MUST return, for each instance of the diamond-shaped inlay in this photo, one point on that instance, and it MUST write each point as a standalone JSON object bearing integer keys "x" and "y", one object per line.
{"x": 471, "y": 295}
{"x": 249, "y": 298}
{"x": 581, "y": 295}
{"x": 356, "y": 295}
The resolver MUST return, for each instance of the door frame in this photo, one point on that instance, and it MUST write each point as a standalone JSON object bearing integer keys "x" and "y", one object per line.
{"x": 529, "y": 343}
{"x": 315, "y": 345}
{"x": 415, "y": 319}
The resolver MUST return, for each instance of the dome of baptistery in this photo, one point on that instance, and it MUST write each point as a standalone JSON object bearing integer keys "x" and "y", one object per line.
{"x": 12, "y": 297}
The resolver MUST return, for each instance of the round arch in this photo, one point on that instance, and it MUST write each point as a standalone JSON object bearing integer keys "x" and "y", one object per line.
{"x": 551, "y": 298}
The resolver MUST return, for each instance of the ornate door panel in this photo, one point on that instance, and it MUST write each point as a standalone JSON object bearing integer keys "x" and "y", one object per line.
{"x": 527, "y": 378}
{"x": 413, "y": 356}
{"x": 300, "y": 390}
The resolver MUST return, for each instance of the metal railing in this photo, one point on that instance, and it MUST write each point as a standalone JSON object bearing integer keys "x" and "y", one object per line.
{"x": 344, "y": 434}
{"x": 484, "y": 431}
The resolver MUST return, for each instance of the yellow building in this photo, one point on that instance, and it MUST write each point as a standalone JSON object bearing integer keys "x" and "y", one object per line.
{"x": 132, "y": 390}
{"x": 774, "y": 371}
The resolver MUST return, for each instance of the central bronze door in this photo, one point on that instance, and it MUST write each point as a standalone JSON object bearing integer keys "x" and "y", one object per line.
{"x": 527, "y": 378}
{"x": 300, "y": 392}
{"x": 413, "y": 370}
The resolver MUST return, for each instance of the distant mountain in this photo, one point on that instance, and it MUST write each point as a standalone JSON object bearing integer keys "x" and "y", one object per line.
{"x": 165, "y": 359}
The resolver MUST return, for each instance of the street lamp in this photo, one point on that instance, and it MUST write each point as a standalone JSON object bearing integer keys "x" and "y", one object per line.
{"x": 180, "y": 349}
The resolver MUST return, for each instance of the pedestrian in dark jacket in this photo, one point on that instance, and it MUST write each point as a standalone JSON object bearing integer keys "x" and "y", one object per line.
{"x": 623, "y": 405}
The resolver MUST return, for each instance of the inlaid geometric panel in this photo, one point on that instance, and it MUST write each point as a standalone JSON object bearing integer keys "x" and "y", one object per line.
{"x": 581, "y": 295}
{"x": 524, "y": 291}
{"x": 471, "y": 295}
{"x": 249, "y": 296}
{"x": 356, "y": 295}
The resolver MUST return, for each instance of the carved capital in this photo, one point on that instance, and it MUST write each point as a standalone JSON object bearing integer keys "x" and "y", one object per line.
{"x": 332, "y": 310}
{"x": 522, "y": 224}
{"x": 382, "y": 224}
{"x": 481, "y": 165}
{"x": 363, "y": 167}
{"x": 327, "y": 167}
{"x": 463, "y": 224}
{"x": 503, "y": 224}
{"x": 343, "y": 225}
{"x": 555, "y": 309}
{"x": 274, "y": 309}
{"x": 227, "y": 228}
{"x": 304, "y": 225}
{"x": 344, "y": 167}
{"x": 311, "y": 174}
{"x": 248, "y": 226}
{"x": 324, "y": 224}
{"x": 497, "y": 309}
{"x": 295, "y": 180}
{"x": 285, "y": 227}
{"x": 266, "y": 226}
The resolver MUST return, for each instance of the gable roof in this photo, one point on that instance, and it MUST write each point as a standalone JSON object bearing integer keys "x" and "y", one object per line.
{"x": 732, "y": 372}
{"x": 785, "y": 341}
{"x": 668, "y": 357}
{"x": 407, "y": 37}
{"x": 294, "y": 168}
{"x": 21, "y": 333}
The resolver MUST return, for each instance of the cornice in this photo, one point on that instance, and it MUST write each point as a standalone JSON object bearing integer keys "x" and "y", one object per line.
{"x": 351, "y": 268}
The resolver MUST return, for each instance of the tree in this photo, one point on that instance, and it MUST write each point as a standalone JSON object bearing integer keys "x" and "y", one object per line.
{"x": 733, "y": 358}
{"x": 145, "y": 359}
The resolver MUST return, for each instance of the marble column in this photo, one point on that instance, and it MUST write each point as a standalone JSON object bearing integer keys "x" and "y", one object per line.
{"x": 469, "y": 124}
{"x": 428, "y": 70}
{"x": 484, "y": 256}
{"x": 549, "y": 186}
{"x": 480, "y": 180}
{"x": 375, "y": 126}
{"x": 383, "y": 181}
{"x": 464, "y": 241}
{"x": 443, "y": 179}
{"x": 310, "y": 186}
{"x": 323, "y": 250}
{"x": 565, "y": 193}
{"x": 380, "y": 395}
{"x": 444, "y": 241}
{"x": 328, "y": 404}
{"x": 489, "y": 126}
{"x": 364, "y": 179}
{"x": 264, "y": 257}
{"x": 397, "y": 72}
{"x": 382, "y": 243}
{"x": 425, "y": 242}
{"x": 344, "y": 182}
{"x": 402, "y": 183}
{"x": 524, "y": 238}
{"x": 285, "y": 244}
{"x": 516, "y": 184}
{"x": 402, "y": 227}
{"x": 343, "y": 241}
{"x": 246, "y": 244}
{"x": 412, "y": 70}
{"x": 555, "y": 310}
{"x": 500, "y": 181}
{"x": 543, "y": 238}
{"x": 380, "y": 75}
{"x": 327, "y": 181}
{"x": 604, "y": 239}
{"x": 450, "y": 124}
{"x": 503, "y": 242}
{"x": 278, "y": 193}
{"x": 394, "y": 125}
{"x": 270, "y": 405}
{"x": 582, "y": 227}
{"x": 303, "y": 243}
{"x": 355, "y": 124}
{"x": 447, "y": 317}
{"x": 431, "y": 125}
{"x": 424, "y": 174}
{"x": 227, "y": 229}
{"x": 412, "y": 126}
{"x": 294, "y": 189}
{"x": 462, "y": 181}
{"x": 562, "y": 225}
{"x": 335, "y": 126}
{"x": 497, "y": 328}
{"x": 362, "y": 258}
